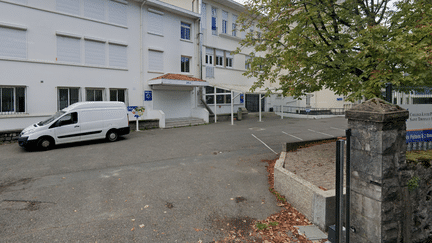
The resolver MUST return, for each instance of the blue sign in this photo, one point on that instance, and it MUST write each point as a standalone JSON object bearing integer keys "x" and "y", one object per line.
{"x": 307, "y": 110}
{"x": 339, "y": 99}
{"x": 131, "y": 108}
{"x": 148, "y": 96}
{"x": 418, "y": 136}
{"x": 241, "y": 98}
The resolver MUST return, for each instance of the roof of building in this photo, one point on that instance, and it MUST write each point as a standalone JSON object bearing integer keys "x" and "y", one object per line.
{"x": 174, "y": 76}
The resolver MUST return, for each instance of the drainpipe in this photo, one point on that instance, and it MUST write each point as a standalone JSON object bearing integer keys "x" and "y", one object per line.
{"x": 141, "y": 44}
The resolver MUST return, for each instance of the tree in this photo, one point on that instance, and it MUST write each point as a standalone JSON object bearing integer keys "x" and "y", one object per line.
{"x": 352, "y": 47}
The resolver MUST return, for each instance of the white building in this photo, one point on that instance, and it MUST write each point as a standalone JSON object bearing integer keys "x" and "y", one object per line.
{"x": 57, "y": 52}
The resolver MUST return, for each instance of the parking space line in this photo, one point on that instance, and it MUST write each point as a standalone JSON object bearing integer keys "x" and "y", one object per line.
{"x": 337, "y": 128}
{"x": 292, "y": 136}
{"x": 264, "y": 144}
{"x": 321, "y": 133}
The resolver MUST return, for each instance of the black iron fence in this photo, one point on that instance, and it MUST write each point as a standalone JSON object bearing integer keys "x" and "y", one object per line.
{"x": 310, "y": 111}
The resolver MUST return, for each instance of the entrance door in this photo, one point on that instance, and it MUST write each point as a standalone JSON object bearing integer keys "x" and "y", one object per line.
{"x": 252, "y": 104}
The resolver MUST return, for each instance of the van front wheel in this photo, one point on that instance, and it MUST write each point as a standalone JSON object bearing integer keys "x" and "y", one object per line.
{"x": 112, "y": 135}
{"x": 45, "y": 143}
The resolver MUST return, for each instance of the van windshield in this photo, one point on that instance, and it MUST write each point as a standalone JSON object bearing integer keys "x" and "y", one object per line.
{"x": 49, "y": 120}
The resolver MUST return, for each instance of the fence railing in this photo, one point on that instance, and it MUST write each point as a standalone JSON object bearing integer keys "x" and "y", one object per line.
{"x": 311, "y": 111}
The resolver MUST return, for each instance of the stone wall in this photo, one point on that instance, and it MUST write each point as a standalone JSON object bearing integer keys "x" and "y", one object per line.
{"x": 386, "y": 206}
{"x": 420, "y": 202}
{"x": 9, "y": 136}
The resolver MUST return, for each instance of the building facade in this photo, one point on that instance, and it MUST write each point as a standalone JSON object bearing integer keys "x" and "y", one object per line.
{"x": 57, "y": 52}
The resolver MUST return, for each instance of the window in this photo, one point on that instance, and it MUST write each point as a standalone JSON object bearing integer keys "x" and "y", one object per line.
{"x": 204, "y": 16}
{"x": 94, "y": 9}
{"x": 155, "y": 23}
{"x": 94, "y": 95}
{"x": 219, "y": 57}
{"x": 68, "y": 49}
{"x": 185, "y": 31}
{"x": 234, "y": 25}
{"x": 68, "y": 6}
{"x": 68, "y": 119}
{"x": 13, "y": 42}
{"x": 12, "y": 99}
{"x": 155, "y": 61}
{"x": 247, "y": 62}
{"x": 222, "y": 96}
{"x": 228, "y": 59}
{"x": 214, "y": 21}
{"x": 117, "y": 13}
{"x": 94, "y": 53}
{"x": 224, "y": 21}
{"x": 185, "y": 64}
{"x": 67, "y": 96}
{"x": 209, "y": 56}
{"x": 117, "y": 55}
{"x": 118, "y": 95}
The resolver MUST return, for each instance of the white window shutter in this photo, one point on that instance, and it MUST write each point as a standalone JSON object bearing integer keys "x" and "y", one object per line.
{"x": 155, "y": 59}
{"x": 68, "y": 49}
{"x": 13, "y": 43}
{"x": 203, "y": 16}
{"x": 94, "y": 53}
{"x": 68, "y": 6}
{"x": 117, "y": 55}
{"x": 155, "y": 23}
{"x": 117, "y": 13}
{"x": 94, "y": 9}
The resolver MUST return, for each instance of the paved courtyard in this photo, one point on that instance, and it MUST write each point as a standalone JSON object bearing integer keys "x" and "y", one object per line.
{"x": 171, "y": 185}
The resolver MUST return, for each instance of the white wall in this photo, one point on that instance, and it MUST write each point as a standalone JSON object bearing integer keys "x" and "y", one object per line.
{"x": 173, "y": 103}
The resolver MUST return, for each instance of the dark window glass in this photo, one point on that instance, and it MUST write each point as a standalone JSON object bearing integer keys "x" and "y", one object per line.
{"x": 20, "y": 98}
{"x": 7, "y": 100}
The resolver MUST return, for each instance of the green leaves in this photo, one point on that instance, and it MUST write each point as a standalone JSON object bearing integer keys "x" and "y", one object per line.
{"x": 353, "y": 48}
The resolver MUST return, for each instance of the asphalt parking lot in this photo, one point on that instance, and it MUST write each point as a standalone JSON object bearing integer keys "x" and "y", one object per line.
{"x": 161, "y": 185}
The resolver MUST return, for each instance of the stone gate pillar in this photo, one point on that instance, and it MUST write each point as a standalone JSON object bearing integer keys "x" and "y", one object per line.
{"x": 377, "y": 172}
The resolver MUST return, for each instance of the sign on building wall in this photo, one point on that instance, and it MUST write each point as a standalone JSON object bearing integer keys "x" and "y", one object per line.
{"x": 148, "y": 96}
{"x": 419, "y": 126}
{"x": 241, "y": 98}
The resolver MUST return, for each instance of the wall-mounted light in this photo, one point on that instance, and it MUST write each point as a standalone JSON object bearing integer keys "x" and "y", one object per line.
{"x": 41, "y": 81}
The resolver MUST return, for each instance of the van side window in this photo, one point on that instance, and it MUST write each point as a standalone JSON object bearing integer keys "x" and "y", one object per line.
{"x": 68, "y": 119}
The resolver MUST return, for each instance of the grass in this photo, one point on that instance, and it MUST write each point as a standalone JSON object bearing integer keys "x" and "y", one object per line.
{"x": 419, "y": 156}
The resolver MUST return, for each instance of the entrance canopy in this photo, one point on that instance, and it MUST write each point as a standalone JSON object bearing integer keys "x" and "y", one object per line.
{"x": 178, "y": 80}
{"x": 239, "y": 88}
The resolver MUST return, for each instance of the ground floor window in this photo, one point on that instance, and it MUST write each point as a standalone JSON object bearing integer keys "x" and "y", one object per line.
{"x": 118, "y": 95}
{"x": 67, "y": 96}
{"x": 222, "y": 96}
{"x": 94, "y": 94}
{"x": 12, "y": 99}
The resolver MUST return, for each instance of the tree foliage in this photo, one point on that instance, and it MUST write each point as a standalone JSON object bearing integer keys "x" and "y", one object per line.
{"x": 352, "y": 47}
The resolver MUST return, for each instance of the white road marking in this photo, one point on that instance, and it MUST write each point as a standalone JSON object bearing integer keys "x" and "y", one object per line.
{"x": 264, "y": 144}
{"x": 292, "y": 136}
{"x": 337, "y": 128}
{"x": 321, "y": 133}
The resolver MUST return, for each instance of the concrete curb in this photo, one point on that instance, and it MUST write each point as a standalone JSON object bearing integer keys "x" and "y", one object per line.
{"x": 317, "y": 205}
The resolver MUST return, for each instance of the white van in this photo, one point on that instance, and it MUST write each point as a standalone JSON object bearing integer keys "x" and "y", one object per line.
{"x": 78, "y": 122}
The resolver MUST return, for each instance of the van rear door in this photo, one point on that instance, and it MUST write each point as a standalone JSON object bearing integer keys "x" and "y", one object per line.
{"x": 67, "y": 129}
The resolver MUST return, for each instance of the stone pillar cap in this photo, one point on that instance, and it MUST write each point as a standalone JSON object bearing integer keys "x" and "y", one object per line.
{"x": 376, "y": 110}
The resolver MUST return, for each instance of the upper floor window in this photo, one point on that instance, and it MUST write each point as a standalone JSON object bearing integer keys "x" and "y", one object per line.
{"x": 155, "y": 59}
{"x": 247, "y": 62}
{"x": 224, "y": 21}
{"x": 229, "y": 59}
{"x": 185, "y": 64}
{"x": 214, "y": 21}
{"x": 13, "y": 42}
{"x": 234, "y": 25}
{"x": 155, "y": 22}
{"x": 68, "y": 49}
{"x": 209, "y": 56}
{"x": 204, "y": 16}
{"x": 94, "y": 53}
{"x": 12, "y": 99}
{"x": 185, "y": 31}
{"x": 219, "y": 57}
{"x": 117, "y": 55}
